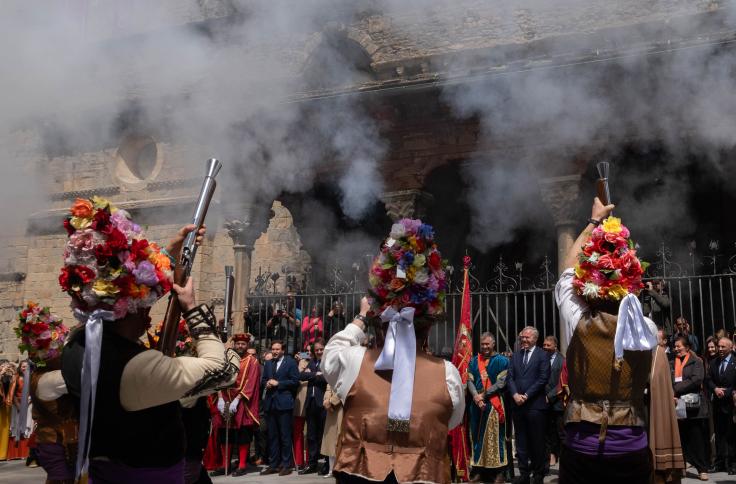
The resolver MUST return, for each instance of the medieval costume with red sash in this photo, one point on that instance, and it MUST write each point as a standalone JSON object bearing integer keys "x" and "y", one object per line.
{"x": 487, "y": 430}
{"x": 238, "y": 404}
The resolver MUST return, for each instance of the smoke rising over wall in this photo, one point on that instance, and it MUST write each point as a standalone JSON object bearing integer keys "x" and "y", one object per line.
{"x": 223, "y": 86}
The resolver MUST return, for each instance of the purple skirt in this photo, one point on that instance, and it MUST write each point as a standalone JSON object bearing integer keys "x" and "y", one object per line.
{"x": 102, "y": 471}
{"x": 53, "y": 460}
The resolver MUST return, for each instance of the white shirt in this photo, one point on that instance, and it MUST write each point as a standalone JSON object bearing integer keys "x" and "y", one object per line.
{"x": 151, "y": 378}
{"x": 343, "y": 357}
{"x": 278, "y": 363}
{"x": 572, "y": 307}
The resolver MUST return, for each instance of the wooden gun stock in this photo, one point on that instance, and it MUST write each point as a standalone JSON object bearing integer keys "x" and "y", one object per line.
{"x": 169, "y": 333}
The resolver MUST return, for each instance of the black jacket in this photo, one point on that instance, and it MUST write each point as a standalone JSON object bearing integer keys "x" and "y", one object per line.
{"x": 727, "y": 380}
{"x": 555, "y": 403}
{"x": 317, "y": 384}
{"x": 530, "y": 379}
{"x": 693, "y": 377}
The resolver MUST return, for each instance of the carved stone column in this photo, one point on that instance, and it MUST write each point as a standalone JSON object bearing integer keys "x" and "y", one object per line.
{"x": 560, "y": 194}
{"x": 411, "y": 203}
{"x": 243, "y": 231}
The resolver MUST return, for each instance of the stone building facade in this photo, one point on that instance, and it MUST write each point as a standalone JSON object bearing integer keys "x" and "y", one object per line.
{"x": 407, "y": 59}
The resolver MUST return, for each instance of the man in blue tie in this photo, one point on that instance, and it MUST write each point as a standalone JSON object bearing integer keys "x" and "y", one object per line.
{"x": 721, "y": 382}
{"x": 279, "y": 381}
{"x": 527, "y": 378}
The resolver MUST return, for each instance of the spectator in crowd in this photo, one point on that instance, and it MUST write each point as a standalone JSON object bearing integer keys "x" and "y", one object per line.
{"x": 312, "y": 327}
{"x": 335, "y": 320}
{"x": 555, "y": 408}
{"x": 688, "y": 375}
{"x": 315, "y": 410}
{"x": 655, "y": 304}
{"x": 487, "y": 416}
{"x": 280, "y": 379}
{"x": 300, "y": 411}
{"x": 527, "y": 378}
{"x": 8, "y": 380}
{"x": 721, "y": 379}
{"x": 682, "y": 328}
{"x": 332, "y": 404}
{"x": 711, "y": 352}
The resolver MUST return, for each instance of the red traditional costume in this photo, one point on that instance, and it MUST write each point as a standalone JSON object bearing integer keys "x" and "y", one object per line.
{"x": 243, "y": 422}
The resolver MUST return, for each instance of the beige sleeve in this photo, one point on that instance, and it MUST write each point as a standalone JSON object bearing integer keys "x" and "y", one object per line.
{"x": 151, "y": 379}
{"x": 457, "y": 394}
{"x": 342, "y": 359}
{"x": 51, "y": 386}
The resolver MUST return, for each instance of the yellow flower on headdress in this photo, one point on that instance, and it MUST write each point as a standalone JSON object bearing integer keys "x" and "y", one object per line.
{"x": 617, "y": 291}
{"x": 580, "y": 272}
{"x": 104, "y": 288}
{"x": 80, "y": 223}
{"x": 103, "y": 203}
{"x": 612, "y": 225}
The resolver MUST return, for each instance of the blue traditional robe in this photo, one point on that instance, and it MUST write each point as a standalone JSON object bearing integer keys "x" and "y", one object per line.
{"x": 487, "y": 432}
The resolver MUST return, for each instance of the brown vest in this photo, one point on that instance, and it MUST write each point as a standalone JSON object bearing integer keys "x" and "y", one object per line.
{"x": 367, "y": 448}
{"x": 56, "y": 420}
{"x": 599, "y": 392}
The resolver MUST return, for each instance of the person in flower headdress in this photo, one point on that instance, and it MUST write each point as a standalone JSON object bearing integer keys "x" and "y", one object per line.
{"x": 131, "y": 427}
{"x": 609, "y": 357}
{"x": 399, "y": 402}
{"x": 42, "y": 334}
{"x": 240, "y": 404}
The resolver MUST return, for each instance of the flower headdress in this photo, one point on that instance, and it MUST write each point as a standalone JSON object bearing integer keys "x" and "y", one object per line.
{"x": 608, "y": 268}
{"x": 41, "y": 333}
{"x": 409, "y": 271}
{"x": 184, "y": 343}
{"x": 108, "y": 264}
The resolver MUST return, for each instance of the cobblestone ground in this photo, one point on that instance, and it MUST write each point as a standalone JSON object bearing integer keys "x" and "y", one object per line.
{"x": 16, "y": 472}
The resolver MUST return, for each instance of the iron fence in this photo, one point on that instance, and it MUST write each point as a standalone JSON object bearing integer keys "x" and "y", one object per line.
{"x": 701, "y": 289}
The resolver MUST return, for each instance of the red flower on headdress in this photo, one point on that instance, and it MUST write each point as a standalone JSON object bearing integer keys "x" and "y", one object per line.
{"x": 435, "y": 260}
{"x": 103, "y": 252}
{"x": 138, "y": 250}
{"x": 117, "y": 240}
{"x": 101, "y": 221}
{"x": 124, "y": 284}
{"x": 39, "y": 328}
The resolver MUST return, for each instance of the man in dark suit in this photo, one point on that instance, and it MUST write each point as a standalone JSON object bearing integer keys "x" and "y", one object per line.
{"x": 721, "y": 383}
{"x": 555, "y": 409}
{"x": 315, "y": 409}
{"x": 528, "y": 375}
{"x": 279, "y": 382}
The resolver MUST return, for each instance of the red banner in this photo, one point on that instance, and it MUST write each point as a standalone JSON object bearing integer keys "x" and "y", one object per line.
{"x": 459, "y": 443}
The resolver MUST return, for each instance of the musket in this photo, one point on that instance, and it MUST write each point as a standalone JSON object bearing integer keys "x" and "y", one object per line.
{"x": 184, "y": 266}
{"x": 229, "y": 287}
{"x": 604, "y": 191}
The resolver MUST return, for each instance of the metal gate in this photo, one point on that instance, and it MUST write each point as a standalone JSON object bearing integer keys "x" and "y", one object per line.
{"x": 701, "y": 289}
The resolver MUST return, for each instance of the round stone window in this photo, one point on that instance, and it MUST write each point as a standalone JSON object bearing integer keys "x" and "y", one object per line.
{"x": 138, "y": 161}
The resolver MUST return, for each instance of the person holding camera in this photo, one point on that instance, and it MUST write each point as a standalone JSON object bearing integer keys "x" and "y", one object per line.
{"x": 655, "y": 304}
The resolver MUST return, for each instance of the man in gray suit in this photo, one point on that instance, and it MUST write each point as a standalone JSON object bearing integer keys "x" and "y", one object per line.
{"x": 556, "y": 410}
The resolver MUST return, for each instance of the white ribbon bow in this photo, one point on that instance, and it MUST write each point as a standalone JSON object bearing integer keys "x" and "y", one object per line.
{"x": 632, "y": 331}
{"x": 399, "y": 354}
{"x": 90, "y": 372}
{"x": 21, "y": 422}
